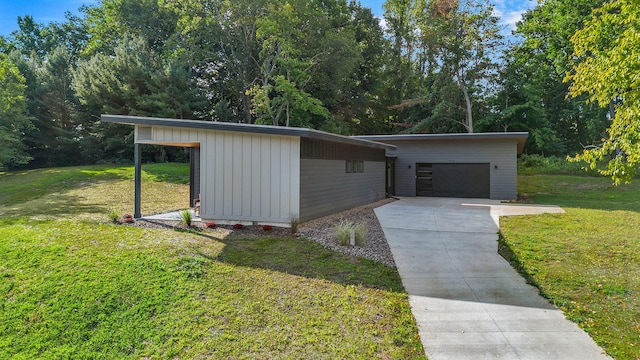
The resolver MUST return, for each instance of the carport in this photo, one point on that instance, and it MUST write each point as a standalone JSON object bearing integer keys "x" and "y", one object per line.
{"x": 258, "y": 174}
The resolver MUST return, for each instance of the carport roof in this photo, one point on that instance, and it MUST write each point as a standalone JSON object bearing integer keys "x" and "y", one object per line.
{"x": 520, "y": 137}
{"x": 246, "y": 128}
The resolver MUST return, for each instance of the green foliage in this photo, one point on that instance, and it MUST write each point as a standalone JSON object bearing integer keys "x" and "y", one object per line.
{"x": 34, "y": 39}
{"x": 360, "y": 233}
{"x": 185, "y": 216}
{"x": 13, "y": 115}
{"x": 552, "y": 165}
{"x": 133, "y": 81}
{"x": 343, "y": 231}
{"x": 113, "y": 215}
{"x": 145, "y": 19}
{"x": 608, "y": 52}
{"x": 584, "y": 261}
{"x": 445, "y": 51}
{"x": 326, "y": 65}
{"x": 532, "y": 96}
{"x": 55, "y": 137}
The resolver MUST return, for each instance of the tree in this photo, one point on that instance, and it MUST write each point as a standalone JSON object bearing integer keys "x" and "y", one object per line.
{"x": 285, "y": 69}
{"x": 46, "y": 55}
{"x": 464, "y": 40}
{"x": 53, "y": 140}
{"x": 608, "y": 53}
{"x": 532, "y": 95}
{"x": 360, "y": 99}
{"x": 133, "y": 81}
{"x": 436, "y": 44}
{"x": 111, "y": 19}
{"x": 13, "y": 115}
{"x": 269, "y": 61}
{"x": 33, "y": 38}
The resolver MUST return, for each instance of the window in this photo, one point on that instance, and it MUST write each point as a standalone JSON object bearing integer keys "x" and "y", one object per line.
{"x": 354, "y": 166}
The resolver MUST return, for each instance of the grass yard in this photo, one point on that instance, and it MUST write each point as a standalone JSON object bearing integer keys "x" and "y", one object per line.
{"x": 587, "y": 261}
{"x": 74, "y": 286}
{"x": 89, "y": 192}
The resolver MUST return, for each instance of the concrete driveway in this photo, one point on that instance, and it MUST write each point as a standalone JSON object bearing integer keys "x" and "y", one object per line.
{"x": 468, "y": 301}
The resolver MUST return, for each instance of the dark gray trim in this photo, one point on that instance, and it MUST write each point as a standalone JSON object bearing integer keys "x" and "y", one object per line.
{"x": 247, "y": 128}
{"x": 137, "y": 180}
{"x": 194, "y": 174}
{"x": 520, "y": 137}
{"x": 320, "y": 149}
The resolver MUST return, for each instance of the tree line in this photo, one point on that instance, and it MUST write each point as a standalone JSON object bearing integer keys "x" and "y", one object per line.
{"x": 431, "y": 66}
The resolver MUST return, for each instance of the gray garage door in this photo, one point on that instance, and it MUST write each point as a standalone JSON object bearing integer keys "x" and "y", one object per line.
{"x": 453, "y": 180}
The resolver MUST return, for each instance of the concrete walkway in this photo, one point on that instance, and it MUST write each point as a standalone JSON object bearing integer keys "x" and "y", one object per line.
{"x": 469, "y": 303}
{"x": 171, "y": 216}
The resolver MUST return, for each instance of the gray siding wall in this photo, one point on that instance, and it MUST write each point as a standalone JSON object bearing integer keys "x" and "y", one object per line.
{"x": 243, "y": 176}
{"x": 500, "y": 153}
{"x": 326, "y": 188}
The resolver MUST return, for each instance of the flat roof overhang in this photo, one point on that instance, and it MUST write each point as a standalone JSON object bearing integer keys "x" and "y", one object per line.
{"x": 519, "y": 137}
{"x": 245, "y": 128}
{"x": 170, "y": 143}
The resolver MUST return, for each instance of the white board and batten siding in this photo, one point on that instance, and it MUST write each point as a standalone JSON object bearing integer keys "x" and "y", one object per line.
{"x": 244, "y": 176}
{"x": 500, "y": 154}
{"x": 326, "y": 187}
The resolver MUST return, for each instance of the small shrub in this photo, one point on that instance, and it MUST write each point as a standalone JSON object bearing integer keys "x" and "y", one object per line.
{"x": 211, "y": 225}
{"x": 113, "y": 215}
{"x": 186, "y": 217}
{"x": 360, "y": 231}
{"x": 238, "y": 226}
{"x": 295, "y": 222}
{"x": 532, "y": 161}
{"x": 343, "y": 232}
{"x": 267, "y": 227}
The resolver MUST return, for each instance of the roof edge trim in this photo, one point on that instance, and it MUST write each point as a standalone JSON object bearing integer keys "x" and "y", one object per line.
{"x": 245, "y": 128}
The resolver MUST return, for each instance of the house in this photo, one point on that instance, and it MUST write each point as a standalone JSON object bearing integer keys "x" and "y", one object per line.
{"x": 262, "y": 174}
{"x": 266, "y": 174}
{"x": 468, "y": 165}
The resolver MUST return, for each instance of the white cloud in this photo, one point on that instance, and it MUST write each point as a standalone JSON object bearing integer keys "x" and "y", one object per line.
{"x": 510, "y": 12}
{"x": 383, "y": 22}
{"x": 512, "y": 17}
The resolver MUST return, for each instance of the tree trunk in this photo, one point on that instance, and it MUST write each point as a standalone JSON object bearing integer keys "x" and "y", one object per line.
{"x": 467, "y": 100}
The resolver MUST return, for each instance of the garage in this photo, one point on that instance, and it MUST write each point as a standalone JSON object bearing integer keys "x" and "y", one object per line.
{"x": 453, "y": 180}
{"x": 469, "y": 165}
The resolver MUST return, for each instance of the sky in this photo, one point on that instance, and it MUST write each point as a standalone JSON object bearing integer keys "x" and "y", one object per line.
{"x": 46, "y": 11}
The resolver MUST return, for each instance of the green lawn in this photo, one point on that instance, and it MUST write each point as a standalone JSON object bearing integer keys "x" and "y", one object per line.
{"x": 74, "y": 286}
{"x": 587, "y": 261}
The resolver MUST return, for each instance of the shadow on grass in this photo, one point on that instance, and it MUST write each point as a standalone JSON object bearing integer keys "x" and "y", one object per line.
{"x": 63, "y": 205}
{"x": 302, "y": 257}
{"x": 508, "y": 254}
{"x": 23, "y": 186}
{"x": 19, "y": 187}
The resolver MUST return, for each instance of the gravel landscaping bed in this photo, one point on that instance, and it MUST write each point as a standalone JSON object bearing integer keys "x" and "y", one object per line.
{"x": 375, "y": 248}
{"x": 319, "y": 230}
